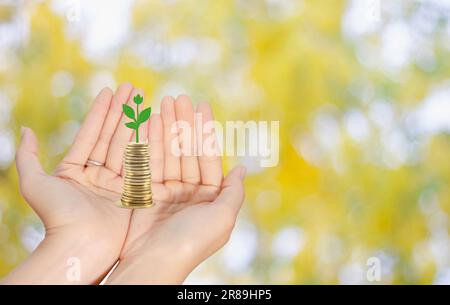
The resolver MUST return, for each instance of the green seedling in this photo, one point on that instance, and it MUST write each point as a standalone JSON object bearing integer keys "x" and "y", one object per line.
{"x": 138, "y": 118}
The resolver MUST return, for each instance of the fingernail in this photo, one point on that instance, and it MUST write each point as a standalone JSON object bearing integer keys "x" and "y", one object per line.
{"x": 243, "y": 172}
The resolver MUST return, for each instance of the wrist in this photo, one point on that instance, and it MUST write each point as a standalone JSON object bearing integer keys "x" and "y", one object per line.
{"x": 65, "y": 257}
{"x": 150, "y": 268}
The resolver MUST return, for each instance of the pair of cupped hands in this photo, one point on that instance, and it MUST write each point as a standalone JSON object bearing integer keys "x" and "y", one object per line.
{"x": 194, "y": 210}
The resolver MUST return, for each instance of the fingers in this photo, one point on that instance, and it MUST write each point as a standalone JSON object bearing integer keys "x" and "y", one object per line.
{"x": 121, "y": 138}
{"x": 27, "y": 162}
{"x": 112, "y": 120}
{"x": 184, "y": 112}
{"x": 89, "y": 132}
{"x": 155, "y": 140}
{"x": 209, "y": 160}
{"x": 172, "y": 165}
{"x": 143, "y": 132}
{"x": 232, "y": 194}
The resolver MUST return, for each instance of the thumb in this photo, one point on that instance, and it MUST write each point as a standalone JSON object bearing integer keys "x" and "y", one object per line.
{"x": 27, "y": 161}
{"x": 233, "y": 193}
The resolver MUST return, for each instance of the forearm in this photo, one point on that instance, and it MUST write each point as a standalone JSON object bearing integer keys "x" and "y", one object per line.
{"x": 61, "y": 259}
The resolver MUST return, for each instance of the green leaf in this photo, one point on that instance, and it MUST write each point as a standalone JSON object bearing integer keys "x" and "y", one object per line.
{"x": 144, "y": 115}
{"x": 132, "y": 125}
{"x": 138, "y": 99}
{"x": 129, "y": 112}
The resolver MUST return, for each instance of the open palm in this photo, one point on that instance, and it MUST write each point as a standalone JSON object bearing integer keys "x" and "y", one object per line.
{"x": 78, "y": 200}
{"x": 194, "y": 209}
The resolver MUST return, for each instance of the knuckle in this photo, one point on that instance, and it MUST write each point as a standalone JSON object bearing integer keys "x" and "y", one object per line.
{"x": 191, "y": 179}
{"x": 189, "y": 190}
{"x": 214, "y": 192}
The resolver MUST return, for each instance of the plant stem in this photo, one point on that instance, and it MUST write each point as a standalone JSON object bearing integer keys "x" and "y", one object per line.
{"x": 137, "y": 124}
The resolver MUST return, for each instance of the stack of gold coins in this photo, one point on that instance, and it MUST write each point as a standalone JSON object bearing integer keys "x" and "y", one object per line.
{"x": 137, "y": 192}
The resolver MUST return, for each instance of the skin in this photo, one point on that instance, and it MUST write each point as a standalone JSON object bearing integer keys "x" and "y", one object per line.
{"x": 193, "y": 216}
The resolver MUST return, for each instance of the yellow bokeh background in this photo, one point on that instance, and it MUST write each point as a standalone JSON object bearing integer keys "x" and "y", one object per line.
{"x": 361, "y": 92}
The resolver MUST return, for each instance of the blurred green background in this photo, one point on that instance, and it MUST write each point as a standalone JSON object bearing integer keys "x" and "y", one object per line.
{"x": 361, "y": 89}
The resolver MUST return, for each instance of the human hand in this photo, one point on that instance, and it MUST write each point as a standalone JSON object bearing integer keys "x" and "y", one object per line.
{"x": 195, "y": 209}
{"x": 77, "y": 202}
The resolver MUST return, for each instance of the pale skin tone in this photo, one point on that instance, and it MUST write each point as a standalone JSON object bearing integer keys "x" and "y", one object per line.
{"x": 193, "y": 216}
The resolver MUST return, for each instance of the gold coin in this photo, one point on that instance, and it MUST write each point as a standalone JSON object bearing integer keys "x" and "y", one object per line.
{"x": 141, "y": 167}
{"x": 137, "y": 166}
{"x": 134, "y": 200}
{"x": 133, "y": 147}
{"x": 137, "y": 177}
{"x": 138, "y": 199}
{"x": 131, "y": 169}
{"x": 131, "y": 203}
{"x": 137, "y": 162}
{"x": 141, "y": 198}
{"x": 137, "y": 172}
{"x": 132, "y": 153}
{"x": 134, "y": 203}
{"x": 137, "y": 189}
{"x": 137, "y": 184}
{"x": 134, "y": 180}
{"x": 137, "y": 146}
{"x": 137, "y": 156}
{"x": 142, "y": 195}
{"x": 135, "y": 153}
{"x": 141, "y": 174}
{"x": 134, "y": 192}
{"x": 136, "y": 169}
{"x": 137, "y": 180}
{"x": 133, "y": 183}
